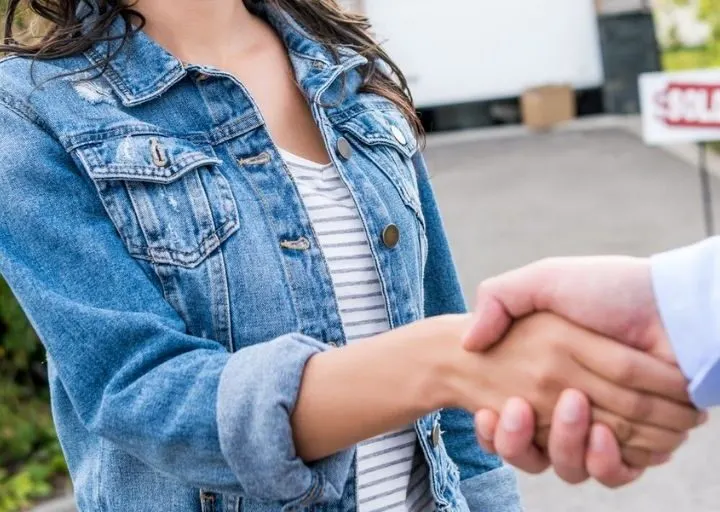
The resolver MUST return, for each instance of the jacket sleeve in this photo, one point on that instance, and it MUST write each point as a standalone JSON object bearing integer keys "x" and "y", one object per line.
{"x": 486, "y": 483}
{"x": 181, "y": 404}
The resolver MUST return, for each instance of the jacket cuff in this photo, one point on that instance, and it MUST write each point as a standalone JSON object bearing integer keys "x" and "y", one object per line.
{"x": 495, "y": 490}
{"x": 256, "y": 396}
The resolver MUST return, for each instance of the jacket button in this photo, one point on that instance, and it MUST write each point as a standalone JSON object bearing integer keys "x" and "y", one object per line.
{"x": 343, "y": 148}
{"x": 435, "y": 436}
{"x": 398, "y": 134}
{"x": 391, "y": 236}
{"x": 332, "y": 344}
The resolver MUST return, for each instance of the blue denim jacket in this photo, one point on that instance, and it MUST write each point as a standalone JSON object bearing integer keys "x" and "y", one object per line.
{"x": 163, "y": 255}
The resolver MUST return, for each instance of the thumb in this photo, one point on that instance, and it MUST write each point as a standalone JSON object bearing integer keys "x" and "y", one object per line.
{"x": 491, "y": 323}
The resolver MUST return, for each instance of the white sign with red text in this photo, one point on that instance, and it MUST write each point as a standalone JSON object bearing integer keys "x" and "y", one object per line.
{"x": 680, "y": 107}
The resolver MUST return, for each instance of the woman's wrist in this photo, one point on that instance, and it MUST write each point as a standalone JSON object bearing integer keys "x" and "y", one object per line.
{"x": 445, "y": 362}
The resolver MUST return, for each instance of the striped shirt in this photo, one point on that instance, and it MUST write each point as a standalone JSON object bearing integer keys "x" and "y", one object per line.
{"x": 391, "y": 471}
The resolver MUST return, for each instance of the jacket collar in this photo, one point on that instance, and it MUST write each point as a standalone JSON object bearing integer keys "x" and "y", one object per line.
{"x": 140, "y": 69}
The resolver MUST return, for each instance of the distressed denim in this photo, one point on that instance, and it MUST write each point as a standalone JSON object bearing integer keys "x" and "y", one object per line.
{"x": 162, "y": 253}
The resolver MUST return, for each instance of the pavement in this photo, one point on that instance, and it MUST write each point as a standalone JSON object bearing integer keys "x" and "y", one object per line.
{"x": 509, "y": 198}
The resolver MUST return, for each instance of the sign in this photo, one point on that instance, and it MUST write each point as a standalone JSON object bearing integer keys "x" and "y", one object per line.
{"x": 681, "y": 107}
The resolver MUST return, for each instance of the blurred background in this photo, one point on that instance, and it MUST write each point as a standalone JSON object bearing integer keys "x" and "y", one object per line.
{"x": 535, "y": 149}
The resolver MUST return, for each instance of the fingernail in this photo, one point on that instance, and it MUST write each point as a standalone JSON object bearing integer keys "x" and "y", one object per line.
{"x": 512, "y": 417}
{"x": 597, "y": 441}
{"x": 570, "y": 409}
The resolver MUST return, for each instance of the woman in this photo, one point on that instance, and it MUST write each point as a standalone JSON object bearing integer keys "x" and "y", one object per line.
{"x": 217, "y": 219}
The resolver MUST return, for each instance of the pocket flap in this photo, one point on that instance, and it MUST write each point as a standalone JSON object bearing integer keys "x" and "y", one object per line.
{"x": 152, "y": 158}
{"x": 385, "y": 125}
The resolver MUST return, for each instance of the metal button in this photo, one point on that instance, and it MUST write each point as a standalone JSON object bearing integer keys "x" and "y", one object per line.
{"x": 391, "y": 236}
{"x": 158, "y": 153}
{"x": 318, "y": 64}
{"x": 343, "y": 148}
{"x": 201, "y": 77}
{"x": 332, "y": 344}
{"x": 398, "y": 134}
{"x": 435, "y": 436}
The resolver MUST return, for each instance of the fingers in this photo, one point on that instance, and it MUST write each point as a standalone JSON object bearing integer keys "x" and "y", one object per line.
{"x": 639, "y": 458}
{"x": 519, "y": 290}
{"x": 486, "y": 423}
{"x": 604, "y": 462}
{"x": 634, "y": 369}
{"x": 514, "y": 437}
{"x": 644, "y": 437}
{"x": 637, "y": 407}
{"x": 569, "y": 434}
{"x": 491, "y": 323}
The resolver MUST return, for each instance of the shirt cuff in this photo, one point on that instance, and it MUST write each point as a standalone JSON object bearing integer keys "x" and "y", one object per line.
{"x": 687, "y": 291}
{"x": 257, "y": 394}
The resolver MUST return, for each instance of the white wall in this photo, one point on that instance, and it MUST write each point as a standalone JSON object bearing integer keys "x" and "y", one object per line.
{"x": 470, "y": 50}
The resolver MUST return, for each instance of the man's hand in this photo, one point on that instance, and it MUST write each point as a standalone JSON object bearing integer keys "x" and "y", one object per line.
{"x": 610, "y": 295}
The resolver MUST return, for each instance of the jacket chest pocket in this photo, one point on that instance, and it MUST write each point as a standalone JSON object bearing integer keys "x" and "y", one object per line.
{"x": 167, "y": 196}
{"x": 389, "y": 144}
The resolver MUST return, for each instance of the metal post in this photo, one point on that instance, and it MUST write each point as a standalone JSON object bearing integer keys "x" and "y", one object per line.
{"x": 706, "y": 191}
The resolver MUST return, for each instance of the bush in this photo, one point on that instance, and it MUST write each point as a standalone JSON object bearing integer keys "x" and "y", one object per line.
{"x": 31, "y": 462}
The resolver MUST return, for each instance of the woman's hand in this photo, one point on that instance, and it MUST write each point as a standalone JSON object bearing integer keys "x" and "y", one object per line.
{"x": 642, "y": 399}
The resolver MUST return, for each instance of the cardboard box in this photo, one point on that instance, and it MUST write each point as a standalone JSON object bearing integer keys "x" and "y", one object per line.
{"x": 544, "y": 107}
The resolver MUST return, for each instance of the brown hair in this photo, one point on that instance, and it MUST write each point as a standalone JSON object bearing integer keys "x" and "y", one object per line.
{"x": 324, "y": 19}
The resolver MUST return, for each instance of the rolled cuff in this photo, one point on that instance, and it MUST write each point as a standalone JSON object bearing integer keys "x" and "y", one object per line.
{"x": 495, "y": 490}
{"x": 257, "y": 394}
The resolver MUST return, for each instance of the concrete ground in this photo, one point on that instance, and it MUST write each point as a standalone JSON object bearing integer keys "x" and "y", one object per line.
{"x": 509, "y": 199}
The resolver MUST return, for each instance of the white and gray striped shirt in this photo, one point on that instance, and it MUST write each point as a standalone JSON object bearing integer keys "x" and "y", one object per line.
{"x": 391, "y": 472}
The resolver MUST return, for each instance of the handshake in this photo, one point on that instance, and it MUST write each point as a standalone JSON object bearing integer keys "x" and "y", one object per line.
{"x": 598, "y": 392}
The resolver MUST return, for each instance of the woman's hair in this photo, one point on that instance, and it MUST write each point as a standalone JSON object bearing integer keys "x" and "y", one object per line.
{"x": 65, "y": 35}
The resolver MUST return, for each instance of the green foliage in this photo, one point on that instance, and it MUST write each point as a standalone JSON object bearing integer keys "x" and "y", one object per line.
{"x": 678, "y": 58}
{"x": 30, "y": 457}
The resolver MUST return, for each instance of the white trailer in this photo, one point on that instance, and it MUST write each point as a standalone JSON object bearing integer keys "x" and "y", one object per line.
{"x": 456, "y": 51}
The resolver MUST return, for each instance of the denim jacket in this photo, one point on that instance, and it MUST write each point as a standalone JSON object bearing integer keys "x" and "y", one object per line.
{"x": 161, "y": 251}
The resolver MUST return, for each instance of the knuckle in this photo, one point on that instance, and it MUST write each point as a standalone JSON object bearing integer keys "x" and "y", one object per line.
{"x": 625, "y": 371}
{"x": 624, "y": 430}
{"x": 639, "y": 406}
{"x": 550, "y": 377}
{"x": 655, "y": 440}
{"x": 636, "y": 457}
